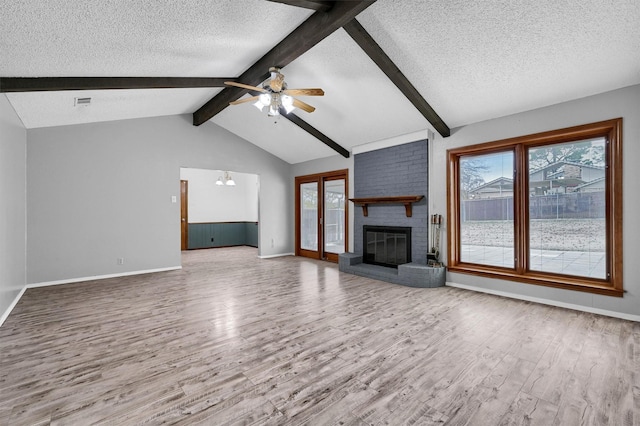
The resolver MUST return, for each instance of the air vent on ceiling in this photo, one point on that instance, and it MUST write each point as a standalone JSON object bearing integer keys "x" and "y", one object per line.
{"x": 82, "y": 101}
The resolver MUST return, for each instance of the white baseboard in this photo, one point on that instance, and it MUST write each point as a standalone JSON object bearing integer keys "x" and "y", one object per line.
{"x": 101, "y": 277}
{"x": 13, "y": 304}
{"x": 582, "y": 308}
{"x": 77, "y": 280}
{"x": 276, "y": 255}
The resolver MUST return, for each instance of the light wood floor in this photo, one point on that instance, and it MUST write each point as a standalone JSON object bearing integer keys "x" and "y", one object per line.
{"x": 231, "y": 339}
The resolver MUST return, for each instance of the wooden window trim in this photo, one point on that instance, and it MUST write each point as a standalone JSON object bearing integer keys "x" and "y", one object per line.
{"x": 612, "y": 284}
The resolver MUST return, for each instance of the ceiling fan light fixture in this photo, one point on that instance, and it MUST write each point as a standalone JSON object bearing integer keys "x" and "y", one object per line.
{"x": 275, "y": 95}
{"x": 273, "y": 111}
{"x": 287, "y": 103}
{"x": 265, "y": 99}
{"x": 274, "y": 108}
{"x": 219, "y": 182}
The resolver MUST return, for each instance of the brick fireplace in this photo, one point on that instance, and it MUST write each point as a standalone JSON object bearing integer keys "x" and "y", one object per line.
{"x": 400, "y": 170}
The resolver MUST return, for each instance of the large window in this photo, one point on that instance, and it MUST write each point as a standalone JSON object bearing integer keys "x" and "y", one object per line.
{"x": 543, "y": 209}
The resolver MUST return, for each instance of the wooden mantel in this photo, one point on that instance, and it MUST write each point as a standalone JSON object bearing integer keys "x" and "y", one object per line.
{"x": 407, "y": 200}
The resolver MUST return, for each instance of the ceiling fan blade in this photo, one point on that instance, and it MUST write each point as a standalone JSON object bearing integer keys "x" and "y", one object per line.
{"x": 303, "y": 105}
{"x": 243, "y": 100}
{"x": 245, "y": 86}
{"x": 304, "y": 92}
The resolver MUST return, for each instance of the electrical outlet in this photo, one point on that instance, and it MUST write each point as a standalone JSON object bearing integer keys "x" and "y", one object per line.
{"x": 211, "y": 239}
{"x": 120, "y": 260}
{"x": 272, "y": 243}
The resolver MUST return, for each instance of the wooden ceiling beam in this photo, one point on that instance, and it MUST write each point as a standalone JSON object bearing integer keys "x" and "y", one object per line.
{"x": 375, "y": 52}
{"x": 312, "y": 31}
{"x": 43, "y": 84}
{"x": 315, "y": 133}
{"x": 322, "y": 6}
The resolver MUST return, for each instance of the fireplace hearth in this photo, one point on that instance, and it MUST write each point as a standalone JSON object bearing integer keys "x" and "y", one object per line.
{"x": 388, "y": 246}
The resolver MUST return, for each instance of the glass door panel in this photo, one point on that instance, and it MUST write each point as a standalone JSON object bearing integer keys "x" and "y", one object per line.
{"x": 334, "y": 216}
{"x": 309, "y": 216}
{"x": 321, "y": 215}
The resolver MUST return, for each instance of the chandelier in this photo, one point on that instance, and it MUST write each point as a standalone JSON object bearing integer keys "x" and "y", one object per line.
{"x": 228, "y": 180}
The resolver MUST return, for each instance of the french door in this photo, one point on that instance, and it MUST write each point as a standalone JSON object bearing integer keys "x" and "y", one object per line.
{"x": 322, "y": 215}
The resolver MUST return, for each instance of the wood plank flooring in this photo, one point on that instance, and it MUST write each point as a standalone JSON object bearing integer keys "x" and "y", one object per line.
{"x": 232, "y": 339}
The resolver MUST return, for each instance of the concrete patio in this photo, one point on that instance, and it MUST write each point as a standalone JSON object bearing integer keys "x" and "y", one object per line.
{"x": 580, "y": 263}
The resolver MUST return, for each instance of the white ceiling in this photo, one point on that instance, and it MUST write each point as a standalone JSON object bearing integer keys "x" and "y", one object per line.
{"x": 471, "y": 61}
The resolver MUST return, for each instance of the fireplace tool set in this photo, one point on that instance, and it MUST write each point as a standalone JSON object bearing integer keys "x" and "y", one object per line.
{"x": 433, "y": 257}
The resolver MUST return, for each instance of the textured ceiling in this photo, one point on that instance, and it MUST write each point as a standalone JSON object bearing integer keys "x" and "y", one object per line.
{"x": 46, "y": 109}
{"x": 470, "y": 60}
{"x": 476, "y": 60}
{"x": 170, "y": 38}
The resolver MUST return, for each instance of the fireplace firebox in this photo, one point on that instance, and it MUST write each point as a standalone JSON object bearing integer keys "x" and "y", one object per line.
{"x": 386, "y": 245}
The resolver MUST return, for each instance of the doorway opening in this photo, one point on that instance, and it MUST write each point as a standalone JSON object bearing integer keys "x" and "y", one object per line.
{"x": 215, "y": 213}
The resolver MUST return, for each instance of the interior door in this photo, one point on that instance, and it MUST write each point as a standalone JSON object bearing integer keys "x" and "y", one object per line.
{"x": 321, "y": 215}
{"x": 184, "y": 214}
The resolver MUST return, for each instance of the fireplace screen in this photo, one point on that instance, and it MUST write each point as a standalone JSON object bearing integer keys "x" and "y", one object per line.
{"x": 387, "y": 245}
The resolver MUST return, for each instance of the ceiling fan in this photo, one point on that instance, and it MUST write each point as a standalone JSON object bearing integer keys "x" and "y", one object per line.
{"x": 274, "y": 94}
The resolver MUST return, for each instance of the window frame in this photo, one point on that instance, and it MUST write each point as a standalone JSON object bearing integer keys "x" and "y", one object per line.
{"x": 611, "y": 285}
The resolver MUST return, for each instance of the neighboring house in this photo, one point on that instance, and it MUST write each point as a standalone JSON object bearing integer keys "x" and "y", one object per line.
{"x": 566, "y": 170}
{"x": 596, "y": 185}
{"x": 562, "y": 177}
{"x": 497, "y": 188}
{"x": 557, "y": 178}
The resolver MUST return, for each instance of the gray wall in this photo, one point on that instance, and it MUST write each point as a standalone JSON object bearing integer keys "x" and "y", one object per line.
{"x": 101, "y": 191}
{"x": 13, "y": 146}
{"x": 620, "y": 103}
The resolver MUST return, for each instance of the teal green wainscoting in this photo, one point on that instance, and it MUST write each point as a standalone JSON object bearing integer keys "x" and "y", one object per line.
{"x": 222, "y": 234}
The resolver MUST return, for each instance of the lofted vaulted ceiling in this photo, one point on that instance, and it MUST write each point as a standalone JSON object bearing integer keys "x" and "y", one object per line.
{"x": 399, "y": 68}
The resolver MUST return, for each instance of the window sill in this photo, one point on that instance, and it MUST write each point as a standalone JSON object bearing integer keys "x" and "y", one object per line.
{"x": 587, "y": 285}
